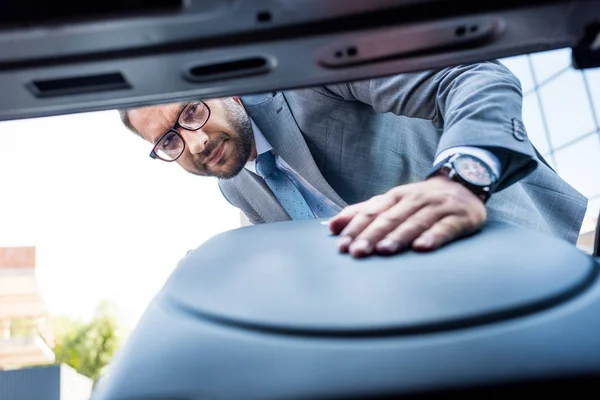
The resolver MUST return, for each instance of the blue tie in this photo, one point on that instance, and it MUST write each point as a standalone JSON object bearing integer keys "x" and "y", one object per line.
{"x": 282, "y": 187}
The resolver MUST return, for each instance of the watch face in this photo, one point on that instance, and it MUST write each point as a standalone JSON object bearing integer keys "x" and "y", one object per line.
{"x": 473, "y": 170}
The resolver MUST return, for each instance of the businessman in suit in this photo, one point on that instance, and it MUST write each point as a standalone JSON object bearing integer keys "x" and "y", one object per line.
{"x": 411, "y": 160}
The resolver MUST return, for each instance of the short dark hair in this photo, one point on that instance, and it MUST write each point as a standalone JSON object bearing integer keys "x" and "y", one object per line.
{"x": 124, "y": 113}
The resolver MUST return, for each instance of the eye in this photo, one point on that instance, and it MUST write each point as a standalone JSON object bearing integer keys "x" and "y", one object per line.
{"x": 169, "y": 141}
{"x": 191, "y": 110}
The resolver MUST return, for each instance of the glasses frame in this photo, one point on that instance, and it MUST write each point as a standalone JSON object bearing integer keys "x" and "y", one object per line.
{"x": 174, "y": 129}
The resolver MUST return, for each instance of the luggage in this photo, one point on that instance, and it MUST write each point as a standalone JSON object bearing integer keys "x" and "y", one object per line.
{"x": 275, "y": 312}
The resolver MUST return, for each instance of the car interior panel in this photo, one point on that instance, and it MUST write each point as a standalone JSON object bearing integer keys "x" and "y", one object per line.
{"x": 504, "y": 312}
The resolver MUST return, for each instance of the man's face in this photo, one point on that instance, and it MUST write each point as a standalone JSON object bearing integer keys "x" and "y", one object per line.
{"x": 220, "y": 148}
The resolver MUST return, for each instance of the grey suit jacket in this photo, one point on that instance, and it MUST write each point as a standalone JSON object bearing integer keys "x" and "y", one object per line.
{"x": 355, "y": 140}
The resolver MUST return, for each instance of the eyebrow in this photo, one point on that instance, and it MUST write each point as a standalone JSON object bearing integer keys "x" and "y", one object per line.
{"x": 173, "y": 124}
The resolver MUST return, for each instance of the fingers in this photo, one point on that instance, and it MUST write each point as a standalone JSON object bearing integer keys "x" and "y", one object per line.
{"x": 423, "y": 216}
{"x": 339, "y": 222}
{"x": 442, "y": 232}
{"x": 352, "y": 220}
{"x": 401, "y": 236}
{"x": 446, "y": 230}
{"x": 408, "y": 215}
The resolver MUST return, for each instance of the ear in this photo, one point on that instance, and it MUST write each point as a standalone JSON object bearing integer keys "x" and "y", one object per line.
{"x": 237, "y": 99}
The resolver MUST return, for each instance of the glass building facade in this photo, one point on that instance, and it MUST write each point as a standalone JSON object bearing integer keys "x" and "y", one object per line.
{"x": 561, "y": 111}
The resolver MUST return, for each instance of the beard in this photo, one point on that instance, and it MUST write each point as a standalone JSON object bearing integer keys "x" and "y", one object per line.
{"x": 239, "y": 138}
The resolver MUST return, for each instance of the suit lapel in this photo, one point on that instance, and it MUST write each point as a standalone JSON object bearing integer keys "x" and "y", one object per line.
{"x": 262, "y": 200}
{"x": 271, "y": 113}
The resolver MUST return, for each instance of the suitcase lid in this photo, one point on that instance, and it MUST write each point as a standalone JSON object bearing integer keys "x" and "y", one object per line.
{"x": 288, "y": 277}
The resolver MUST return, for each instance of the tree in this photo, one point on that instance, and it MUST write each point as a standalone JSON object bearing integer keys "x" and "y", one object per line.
{"x": 87, "y": 346}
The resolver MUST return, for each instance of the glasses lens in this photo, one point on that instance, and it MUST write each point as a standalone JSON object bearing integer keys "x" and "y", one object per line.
{"x": 170, "y": 146}
{"x": 194, "y": 116}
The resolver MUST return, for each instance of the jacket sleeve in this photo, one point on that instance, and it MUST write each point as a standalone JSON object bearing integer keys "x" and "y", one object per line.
{"x": 477, "y": 105}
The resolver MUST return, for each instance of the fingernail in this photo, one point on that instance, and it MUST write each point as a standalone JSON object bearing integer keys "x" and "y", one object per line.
{"x": 424, "y": 241}
{"x": 388, "y": 245}
{"x": 361, "y": 246}
{"x": 343, "y": 243}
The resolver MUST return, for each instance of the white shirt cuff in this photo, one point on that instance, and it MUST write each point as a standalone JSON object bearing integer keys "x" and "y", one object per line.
{"x": 487, "y": 157}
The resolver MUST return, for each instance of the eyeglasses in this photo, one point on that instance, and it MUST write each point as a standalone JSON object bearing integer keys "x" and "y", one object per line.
{"x": 192, "y": 117}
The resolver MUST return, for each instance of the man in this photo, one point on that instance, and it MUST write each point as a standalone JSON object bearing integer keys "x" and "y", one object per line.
{"x": 412, "y": 160}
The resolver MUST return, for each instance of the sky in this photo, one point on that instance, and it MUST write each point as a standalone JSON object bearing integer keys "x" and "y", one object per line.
{"x": 109, "y": 222}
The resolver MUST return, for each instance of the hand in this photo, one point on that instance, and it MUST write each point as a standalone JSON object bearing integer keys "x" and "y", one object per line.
{"x": 424, "y": 215}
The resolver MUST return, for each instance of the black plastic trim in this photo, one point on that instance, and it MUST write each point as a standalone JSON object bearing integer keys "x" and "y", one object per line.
{"x": 78, "y": 85}
{"x": 228, "y": 69}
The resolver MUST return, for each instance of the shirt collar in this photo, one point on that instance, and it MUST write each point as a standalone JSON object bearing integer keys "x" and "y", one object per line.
{"x": 261, "y": 143}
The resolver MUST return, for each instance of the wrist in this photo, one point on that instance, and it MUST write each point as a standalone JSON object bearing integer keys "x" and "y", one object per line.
{"x": 469, "y": 171}
{"x": 443, "y": 177}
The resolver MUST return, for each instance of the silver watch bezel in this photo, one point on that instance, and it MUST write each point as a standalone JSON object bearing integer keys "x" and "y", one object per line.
{"x": 454, "y": 168}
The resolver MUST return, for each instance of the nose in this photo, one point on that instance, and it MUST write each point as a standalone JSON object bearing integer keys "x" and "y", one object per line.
{"x": 195, "y": 140}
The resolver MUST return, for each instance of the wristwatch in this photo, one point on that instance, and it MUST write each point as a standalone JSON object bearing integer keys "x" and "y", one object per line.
{"x": 471, "y": 172}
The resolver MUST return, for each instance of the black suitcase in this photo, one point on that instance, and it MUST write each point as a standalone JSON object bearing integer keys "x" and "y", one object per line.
{"x": 275, "y": 312}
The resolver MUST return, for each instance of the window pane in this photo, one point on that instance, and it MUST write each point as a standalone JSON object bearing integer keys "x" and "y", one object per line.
{"x": 548, "y": 63}
{"x": 520, "y": 67}
{"x": 578, "y": 164}
{"x": 587, "y": 234}
{"x": 593, "y": 80}
{"x": 566, "y": 108}
{"x": 534, "y": 123}
{"x": 593, "y": 209}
